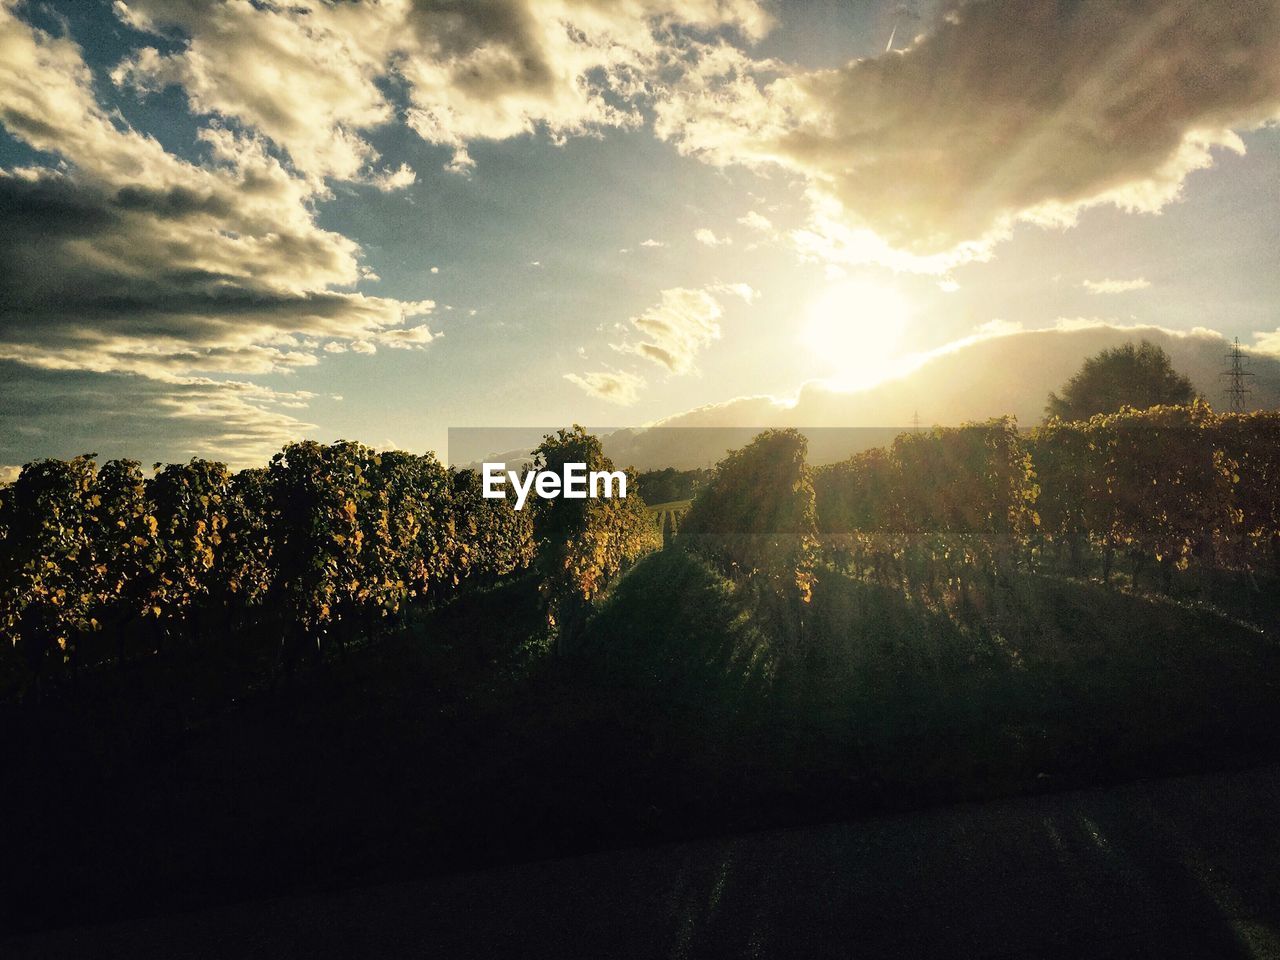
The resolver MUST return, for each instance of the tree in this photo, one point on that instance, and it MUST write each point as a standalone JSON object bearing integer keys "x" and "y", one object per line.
{"x": 189, "y": 503}
{"x": 245, "y": 568}
{"x": 125, "y": 548}
{"x": 493, "y": 539}
{"x": 756, "y": 521}
{"x": 1134, "y": 376}
{"x": 316, "y": 496}
{"x": 47, "y": 565}
{"x": 584, "y": 543}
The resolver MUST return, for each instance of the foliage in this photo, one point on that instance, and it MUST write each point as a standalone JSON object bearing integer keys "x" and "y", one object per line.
{"x": 494, "y": 539}
{"x": 1177, "y": 486}
{"x": 669, "y": 484}
{"x": 190, "y": 504}
{"x": 331, "y": 541}
{"x": 756, "y": 521}
{"x": 1126, "y": 376}
{"x": 126, "y": 546}
{"x": 1250, "y": 442}
{"x": 245, "y": 565}
{"x": 584, "y": 543}
{"x": 48, "y": 561}
{"x": 934, "y": 504}
{"x": 327, "y": 535}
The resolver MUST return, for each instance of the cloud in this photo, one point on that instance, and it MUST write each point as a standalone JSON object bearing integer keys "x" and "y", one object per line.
{"x": 756, "y": 221}
{"x": 124, "y": 257}
{"x": 614, "y": 386}
{"x": 671, "y": 334}
{"x": 500, "y": 68}
{"x": 300, "y": 74}
{"x": 67, "y": 412}
{"x": 1004, "y": 111}
{"x": 407, "y": 338}
{"x": 674, "y": 330}
{"x": 744, "y": 291}
{"x": 307, "y": 73}
{"x": 708, "y": 238}
{"x": 389, "y": 181}
{"x": 1268, "y": 342}
{"x": 1115, "y": 286}
{"x": 652, "y": 243}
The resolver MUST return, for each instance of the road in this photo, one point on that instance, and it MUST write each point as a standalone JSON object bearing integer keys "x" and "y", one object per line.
{"x": 1186, "y": 867}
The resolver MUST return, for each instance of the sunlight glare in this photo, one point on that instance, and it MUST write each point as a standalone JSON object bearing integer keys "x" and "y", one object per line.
{"x": 854, "y": 329}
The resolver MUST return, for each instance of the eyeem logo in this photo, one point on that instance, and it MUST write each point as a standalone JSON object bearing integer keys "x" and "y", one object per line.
{"x": 575, "y": 483}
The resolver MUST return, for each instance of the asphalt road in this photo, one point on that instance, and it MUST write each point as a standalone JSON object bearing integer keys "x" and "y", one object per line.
{"x": 1186, "y": 867}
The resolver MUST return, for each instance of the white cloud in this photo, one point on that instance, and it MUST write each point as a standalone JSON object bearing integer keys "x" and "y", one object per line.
{"x": 745, "y": 291}
{"x": 390, "y": 180}
{"x": 652, "y": 243}
{"x": 705, "y": 236}
{"x": 756, "y": 221}
{"x": 614, "y": 386}
{"x": 674, "y": 330}
{"x": 407, "y": 338}
{"x": 498, "y": 69}
{"x": 671, "y": 334}
{"x": 1268, "y": 342}
{"x": 302, "y": 74}
{"x": 1115, "y": 286}
{"x": 306, "y": 73}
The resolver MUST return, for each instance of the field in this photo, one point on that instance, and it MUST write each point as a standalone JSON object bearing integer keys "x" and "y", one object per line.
{"x": 780, "y": 657}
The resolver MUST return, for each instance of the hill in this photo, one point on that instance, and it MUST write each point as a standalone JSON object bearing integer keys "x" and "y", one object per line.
{"x": 974, "y": 380}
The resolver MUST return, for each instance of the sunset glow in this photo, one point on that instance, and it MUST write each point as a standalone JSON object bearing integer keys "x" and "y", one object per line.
{"x": 854, "y": 332}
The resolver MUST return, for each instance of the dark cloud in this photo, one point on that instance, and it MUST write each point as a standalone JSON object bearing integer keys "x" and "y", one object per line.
{"x": 67, "y": 412}
{"x": 126, "y": 257}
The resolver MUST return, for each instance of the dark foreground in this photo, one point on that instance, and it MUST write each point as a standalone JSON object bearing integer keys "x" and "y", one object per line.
{"x": 1183, "y": 867}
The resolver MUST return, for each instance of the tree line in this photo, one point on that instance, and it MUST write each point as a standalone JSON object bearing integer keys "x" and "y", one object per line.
{"x": 328, "y": 543}
{"x": 1166, "y": 488}
{"x": 324, "y": 545}
{"x": 951, "y": 512}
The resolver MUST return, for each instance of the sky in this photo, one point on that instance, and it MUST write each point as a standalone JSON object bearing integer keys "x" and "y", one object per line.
{"x": 227, "y": 225}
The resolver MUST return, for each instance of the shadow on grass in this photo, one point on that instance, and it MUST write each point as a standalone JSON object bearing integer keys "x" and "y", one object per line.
{"x": 461, "y": 742}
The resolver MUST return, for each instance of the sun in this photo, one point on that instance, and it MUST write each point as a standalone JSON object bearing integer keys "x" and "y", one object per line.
{"x": 854, "y": 330}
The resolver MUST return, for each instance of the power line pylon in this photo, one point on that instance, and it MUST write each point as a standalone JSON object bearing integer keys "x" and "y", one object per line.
{"x": 1236, "y": 375}
{"x": 915, "y": 422}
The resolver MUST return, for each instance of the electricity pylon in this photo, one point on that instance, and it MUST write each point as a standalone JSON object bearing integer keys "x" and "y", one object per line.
{"x": 1235, "y": 376}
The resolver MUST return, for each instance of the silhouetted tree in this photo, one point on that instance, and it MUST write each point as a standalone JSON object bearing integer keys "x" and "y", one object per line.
{"x": 1135, "y": 376}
